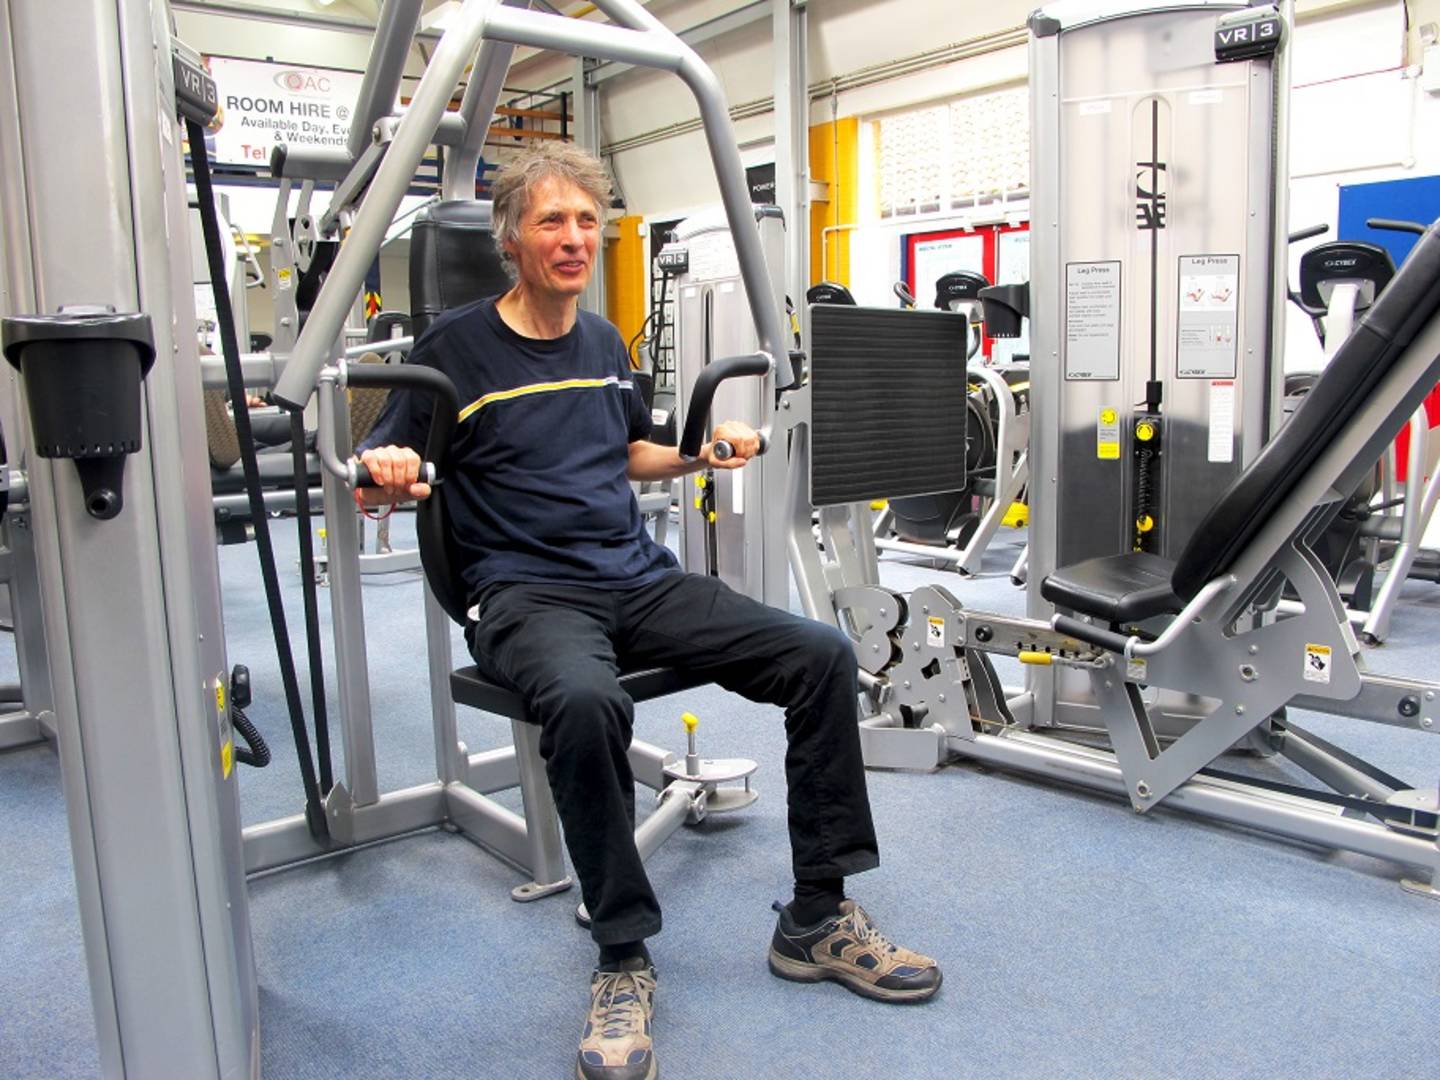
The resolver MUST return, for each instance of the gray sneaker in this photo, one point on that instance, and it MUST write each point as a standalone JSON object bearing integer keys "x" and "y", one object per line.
{"x": 848, "y": 949}
{"x": 616, "y": 1044}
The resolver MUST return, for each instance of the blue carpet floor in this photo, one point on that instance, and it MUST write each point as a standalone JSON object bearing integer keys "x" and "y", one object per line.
{"x": 1078, "y": 939}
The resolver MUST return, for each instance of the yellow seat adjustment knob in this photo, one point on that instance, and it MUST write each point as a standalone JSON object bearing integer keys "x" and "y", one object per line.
{"x": 1144, "y": 431}
{"x": 1144, "y": 523}
{"x": 690, "y": 720}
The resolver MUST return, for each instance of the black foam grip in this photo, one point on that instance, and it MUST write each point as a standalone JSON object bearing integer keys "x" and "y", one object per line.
{"x": 1090, "y": 633}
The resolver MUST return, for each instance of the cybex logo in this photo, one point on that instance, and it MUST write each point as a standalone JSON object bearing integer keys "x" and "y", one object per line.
{"x": 1340, "y": 264}
{"x": 1150, "y": 195}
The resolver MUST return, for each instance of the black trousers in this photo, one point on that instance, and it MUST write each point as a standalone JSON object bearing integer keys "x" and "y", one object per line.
{"x": 562, "y": 646}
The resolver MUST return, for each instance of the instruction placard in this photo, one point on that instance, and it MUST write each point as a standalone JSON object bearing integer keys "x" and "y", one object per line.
{"x": 1208, "y": 311}
{"x": 1092, "y": 321}
{"x": 1221, "y": 446}
{"x": 935, "y": 631}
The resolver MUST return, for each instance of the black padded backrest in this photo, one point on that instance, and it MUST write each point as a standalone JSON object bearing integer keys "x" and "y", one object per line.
{"x": 453, "y": 260}
{"x": 1347, "y": 382}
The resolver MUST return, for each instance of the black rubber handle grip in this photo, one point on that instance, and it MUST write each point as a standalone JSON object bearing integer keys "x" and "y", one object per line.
{"x": 363, "y": 478}
{"x": 1090, "y": 633}
{"x": 1307, "y": 232}
{"x": 1391, "y": 225}
{"x": 703, "y": 394}
{"x": 724, "y": 451}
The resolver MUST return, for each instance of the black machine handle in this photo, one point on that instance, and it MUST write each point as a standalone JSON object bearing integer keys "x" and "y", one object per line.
{"x": 709, "y": 380}
{"x": 1308, "y": 232}
{"x": 1090, "y": 633}
{"x": 1392, "y": 225}
{"x": 420, "y": 379}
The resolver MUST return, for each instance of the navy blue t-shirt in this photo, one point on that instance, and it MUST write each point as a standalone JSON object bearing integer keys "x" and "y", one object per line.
{"x": 536, "y": 484}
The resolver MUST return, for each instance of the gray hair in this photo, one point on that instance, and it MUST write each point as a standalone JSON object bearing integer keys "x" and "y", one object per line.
{"x": 510, "y": 193}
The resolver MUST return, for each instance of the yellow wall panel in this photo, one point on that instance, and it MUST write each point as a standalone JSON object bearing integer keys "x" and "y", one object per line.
{"x": 625, "y": 276}
{"x": 835, "y": 160}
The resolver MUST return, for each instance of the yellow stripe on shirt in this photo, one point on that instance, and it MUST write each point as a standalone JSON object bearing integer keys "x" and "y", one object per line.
{"x": 541, "y": 388}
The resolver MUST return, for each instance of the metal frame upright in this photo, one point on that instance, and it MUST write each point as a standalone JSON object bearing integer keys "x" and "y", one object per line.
{"x": 131, "y": 604}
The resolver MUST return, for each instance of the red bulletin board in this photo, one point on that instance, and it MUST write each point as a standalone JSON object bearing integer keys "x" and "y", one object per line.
{"x": 914, "y": 253}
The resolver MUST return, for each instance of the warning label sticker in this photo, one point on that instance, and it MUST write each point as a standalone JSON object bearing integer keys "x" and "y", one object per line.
{"x": 935, "y": 631}
{"x": 1107, "y": 435}
{"x": 1317, "y": 663}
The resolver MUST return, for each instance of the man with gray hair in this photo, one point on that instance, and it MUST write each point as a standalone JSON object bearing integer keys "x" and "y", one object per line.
{"x": 568, "y": 589}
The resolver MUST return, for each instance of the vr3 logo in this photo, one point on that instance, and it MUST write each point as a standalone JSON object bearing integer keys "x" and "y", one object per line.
{"x": 1248, "y": 39}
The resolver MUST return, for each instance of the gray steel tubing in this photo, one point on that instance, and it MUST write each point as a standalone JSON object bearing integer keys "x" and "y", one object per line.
{"x": 388, "y": 49}
{"x": 546, "y": 858}
{"x": 649, "y": 762}
{"x": 326, "y": 428}
{"x": 281, "y": 842}
{"x": 490, "y": 825}
{"x": 381, "y": 347}
{"x": 1280, "y": 815}
{"x": 477, "y": 107}
{"x": 579, "y": 38}
{"x": 489, "y": 771}
{"x": 275, "y": 501}
{"x": 391, "y": 181}
{"x": 734, "y": 191}
{"x": 666, "y": 818}
{"x": 450, "y": 760}
{"x": 1330, "y": 770}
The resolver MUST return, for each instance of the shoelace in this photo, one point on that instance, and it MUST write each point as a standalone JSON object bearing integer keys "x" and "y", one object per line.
{"x": 865, "y": 932}
{"x": 619, "y": 1008}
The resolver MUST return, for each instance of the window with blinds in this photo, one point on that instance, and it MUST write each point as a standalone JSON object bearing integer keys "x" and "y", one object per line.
{"x": 968, "y": 152}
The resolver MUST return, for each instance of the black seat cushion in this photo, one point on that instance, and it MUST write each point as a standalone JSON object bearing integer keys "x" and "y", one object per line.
{"x": 1117, "y": 588}
{"x": 453, "y": 260}
{"x": 469, "y": 687}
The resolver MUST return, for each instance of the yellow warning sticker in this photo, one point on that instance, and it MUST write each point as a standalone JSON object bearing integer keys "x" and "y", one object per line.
{"x": 1107, "y": 435}
{"x": 227, "y": 758}
{"x": 935, "y": 631}
{"x": 1317, "y": 663}
{"x": 220, "y": 698}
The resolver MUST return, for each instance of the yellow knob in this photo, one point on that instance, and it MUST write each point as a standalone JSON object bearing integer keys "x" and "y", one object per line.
{"x": 1145, "y": 431}
{"x": 1108, "y": 416}
{"x": 700, "y": 482}
{"x": 710, "y": 517}
{"x": 690, "y": 720}
{"x": 1144, "y": 523}
{"x": 1034, "y": 656}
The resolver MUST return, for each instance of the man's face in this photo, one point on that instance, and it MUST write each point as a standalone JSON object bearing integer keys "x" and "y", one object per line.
{"x": 559, "y": 234}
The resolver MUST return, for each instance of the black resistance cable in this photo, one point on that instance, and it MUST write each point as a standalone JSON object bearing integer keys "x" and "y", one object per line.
{"x": 312, "y": 604}
{"x": 314, "y": 809}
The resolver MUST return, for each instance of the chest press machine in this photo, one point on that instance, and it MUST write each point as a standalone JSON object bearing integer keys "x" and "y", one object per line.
{"x": 153, "y": 802}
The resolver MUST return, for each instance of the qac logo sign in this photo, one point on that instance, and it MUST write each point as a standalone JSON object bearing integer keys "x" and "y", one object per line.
{"x": 297, "y": 81}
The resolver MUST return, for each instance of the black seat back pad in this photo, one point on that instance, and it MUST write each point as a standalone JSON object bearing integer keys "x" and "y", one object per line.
{"x": 453, "y": 260}
{"x": 1347, "y": 382}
